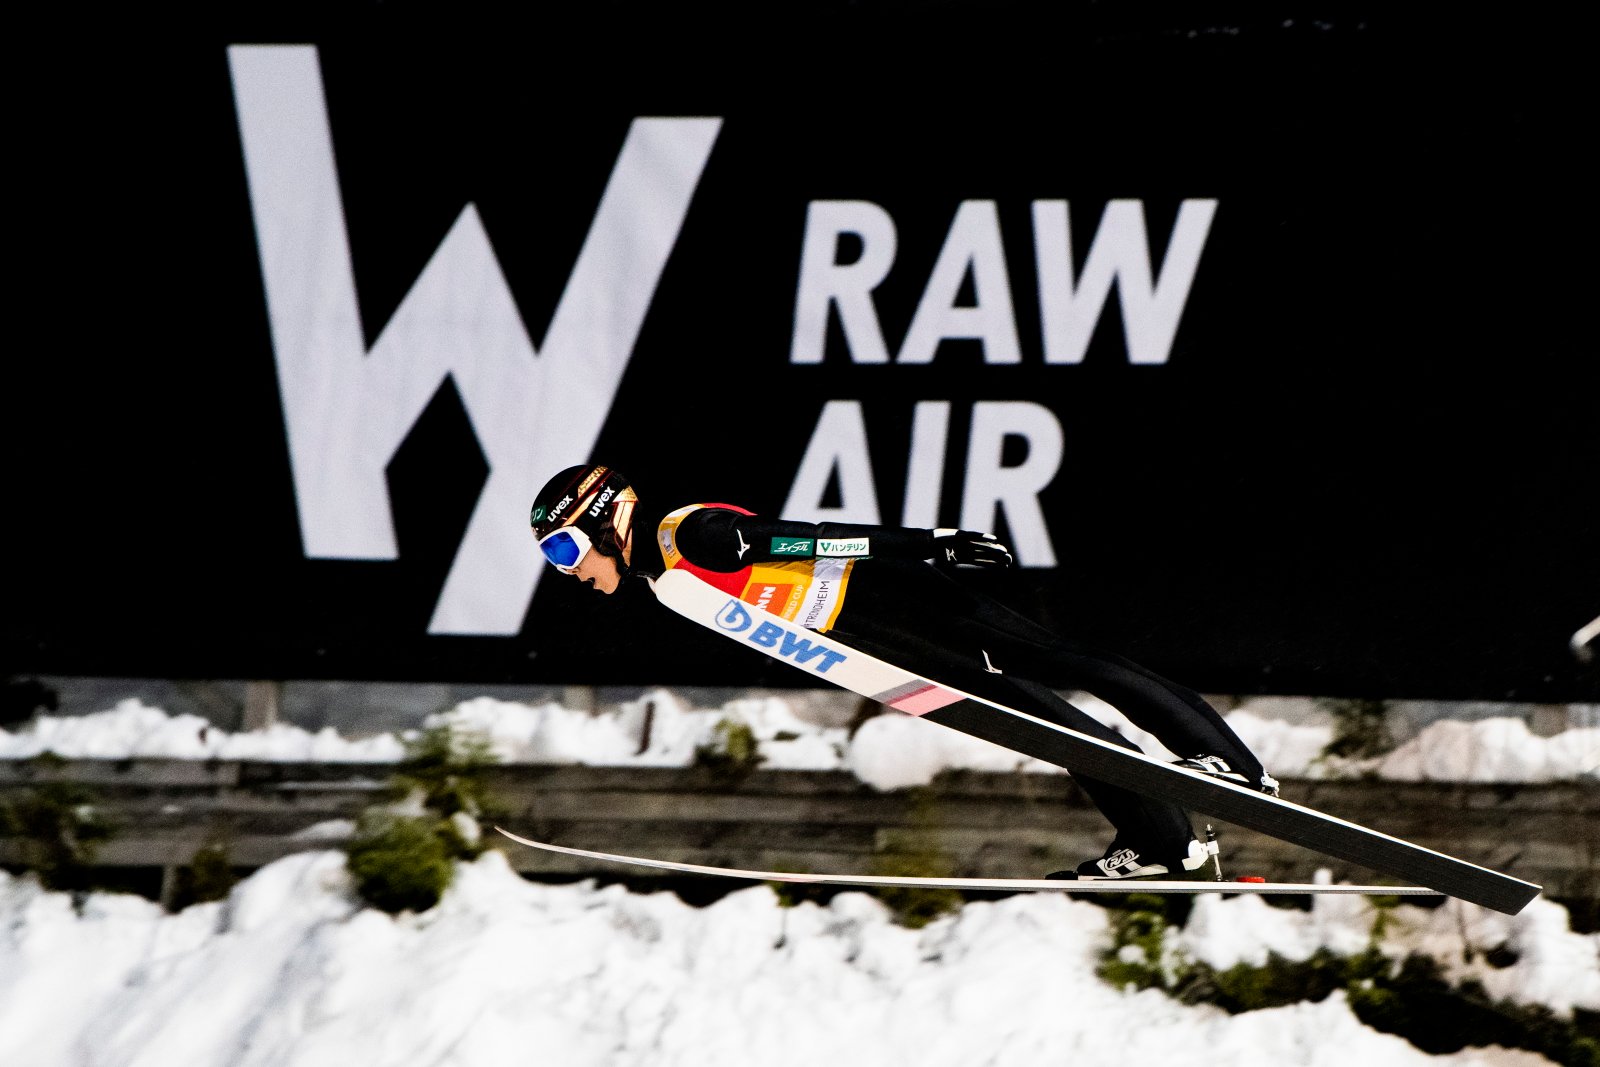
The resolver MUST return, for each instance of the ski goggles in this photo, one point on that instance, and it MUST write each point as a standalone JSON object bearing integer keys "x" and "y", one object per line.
{"x": 565, "y": 548}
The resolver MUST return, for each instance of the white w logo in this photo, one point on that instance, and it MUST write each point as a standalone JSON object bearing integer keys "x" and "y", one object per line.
{"x": 348, "y": 410}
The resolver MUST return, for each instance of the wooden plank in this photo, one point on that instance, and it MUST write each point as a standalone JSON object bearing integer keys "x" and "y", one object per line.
{"x": 992, "y": 825}
{"x": 142, "y": 773}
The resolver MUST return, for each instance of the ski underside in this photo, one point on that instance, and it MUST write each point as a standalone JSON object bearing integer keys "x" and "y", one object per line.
{"x": 838, "y": 664}
{"x": 1120, "y": 885}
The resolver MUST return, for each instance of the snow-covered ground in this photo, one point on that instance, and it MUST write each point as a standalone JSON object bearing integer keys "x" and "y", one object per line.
{"x": 888, "y": 751}
{"x": 292, "y": 970}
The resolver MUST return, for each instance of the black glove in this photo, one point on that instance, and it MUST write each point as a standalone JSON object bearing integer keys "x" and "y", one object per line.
{"x": 969, "y": 547}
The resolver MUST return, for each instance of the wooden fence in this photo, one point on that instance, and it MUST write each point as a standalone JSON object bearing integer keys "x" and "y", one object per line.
{"x": 973, "y": 824}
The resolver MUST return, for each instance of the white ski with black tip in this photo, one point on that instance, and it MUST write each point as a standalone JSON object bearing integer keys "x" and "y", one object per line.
{"x": 1122, "y": 885}
{"x": 830, "y": 661}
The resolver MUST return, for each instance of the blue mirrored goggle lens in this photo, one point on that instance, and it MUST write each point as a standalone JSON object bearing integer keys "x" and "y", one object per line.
{"x": 563, "y": 549}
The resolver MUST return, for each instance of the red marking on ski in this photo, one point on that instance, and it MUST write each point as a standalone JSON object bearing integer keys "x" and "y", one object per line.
{"x": 918, "y": 699}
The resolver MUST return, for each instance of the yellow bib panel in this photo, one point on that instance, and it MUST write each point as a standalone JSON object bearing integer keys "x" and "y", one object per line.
{"x": 805, "y": 591}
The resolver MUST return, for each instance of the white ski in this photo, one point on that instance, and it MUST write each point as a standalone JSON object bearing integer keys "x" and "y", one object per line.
{"x": 1127, "y": 885}
{"x": 831, "y": 661}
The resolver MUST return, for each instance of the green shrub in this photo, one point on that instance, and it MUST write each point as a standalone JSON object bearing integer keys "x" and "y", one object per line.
{"x": 209, "y": 876}
{"x": 400, "y": 863}
{"x": 733, "y": 752}
{"x": 915, "y": 852}
{"x": 1407, "y": 997}
{"x": 915, "y": 906}
{"x": 59, "y": 829}
{"x": 786, "y": 893}
{"x": 403, "y": 853}
{"x": 1138, "y": 935}
{"x": 1412, "y": 999}
{"x": 1359, "y": 729}
{"x": 445, "y": 766}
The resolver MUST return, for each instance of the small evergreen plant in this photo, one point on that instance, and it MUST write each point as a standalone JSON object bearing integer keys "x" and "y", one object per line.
{"x": 400, "y": 863}
{"x": 209, "y": 876}
{"x": 733, "y": 752}
{"x": 1407, "y": 997}
{"x": 1360, "y": 729}
{"x": 916, "y": 853}
{"x": 59, "y": 829}
{"x": 403, "y": 853}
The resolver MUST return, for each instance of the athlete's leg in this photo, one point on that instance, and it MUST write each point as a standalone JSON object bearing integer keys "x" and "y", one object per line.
{"x": 1178, "y": 717}
{"x": 1158, "y": 829}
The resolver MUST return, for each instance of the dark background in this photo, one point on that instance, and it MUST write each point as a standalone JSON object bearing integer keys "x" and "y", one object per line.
{"x": 1366, "y": 469}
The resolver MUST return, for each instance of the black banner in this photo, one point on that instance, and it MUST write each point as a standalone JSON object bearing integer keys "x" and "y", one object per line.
{"x": 1259, "y": 339}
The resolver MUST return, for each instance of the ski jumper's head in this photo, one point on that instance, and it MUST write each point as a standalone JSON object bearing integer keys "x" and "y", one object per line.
{"x": 583, "y": 520}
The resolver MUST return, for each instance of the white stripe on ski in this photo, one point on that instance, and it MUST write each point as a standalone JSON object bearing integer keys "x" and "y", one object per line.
{"x": 1128, "y": 885}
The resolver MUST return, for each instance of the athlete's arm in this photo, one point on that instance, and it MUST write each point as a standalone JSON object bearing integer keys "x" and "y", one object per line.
{"x": 721, "y": 539}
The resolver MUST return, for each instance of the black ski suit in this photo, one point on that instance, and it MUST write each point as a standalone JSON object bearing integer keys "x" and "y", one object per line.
{"x": 874, "y": 588}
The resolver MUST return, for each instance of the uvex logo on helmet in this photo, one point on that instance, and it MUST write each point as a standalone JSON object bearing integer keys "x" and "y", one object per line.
{"x": 600, "y": 504}
{"x": 556, "y": 512}
{"x": 598, "y": 500}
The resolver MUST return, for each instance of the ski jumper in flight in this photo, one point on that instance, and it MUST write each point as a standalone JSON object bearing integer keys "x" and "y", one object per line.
{"x": 894, "y": 593}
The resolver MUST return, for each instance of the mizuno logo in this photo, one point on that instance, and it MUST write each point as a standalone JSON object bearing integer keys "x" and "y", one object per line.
{"x": 743, "y": 547}
{"x": 775, "y": 640}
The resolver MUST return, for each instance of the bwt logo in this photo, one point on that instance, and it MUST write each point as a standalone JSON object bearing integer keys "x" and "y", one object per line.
{"x": 735, "y": 618}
